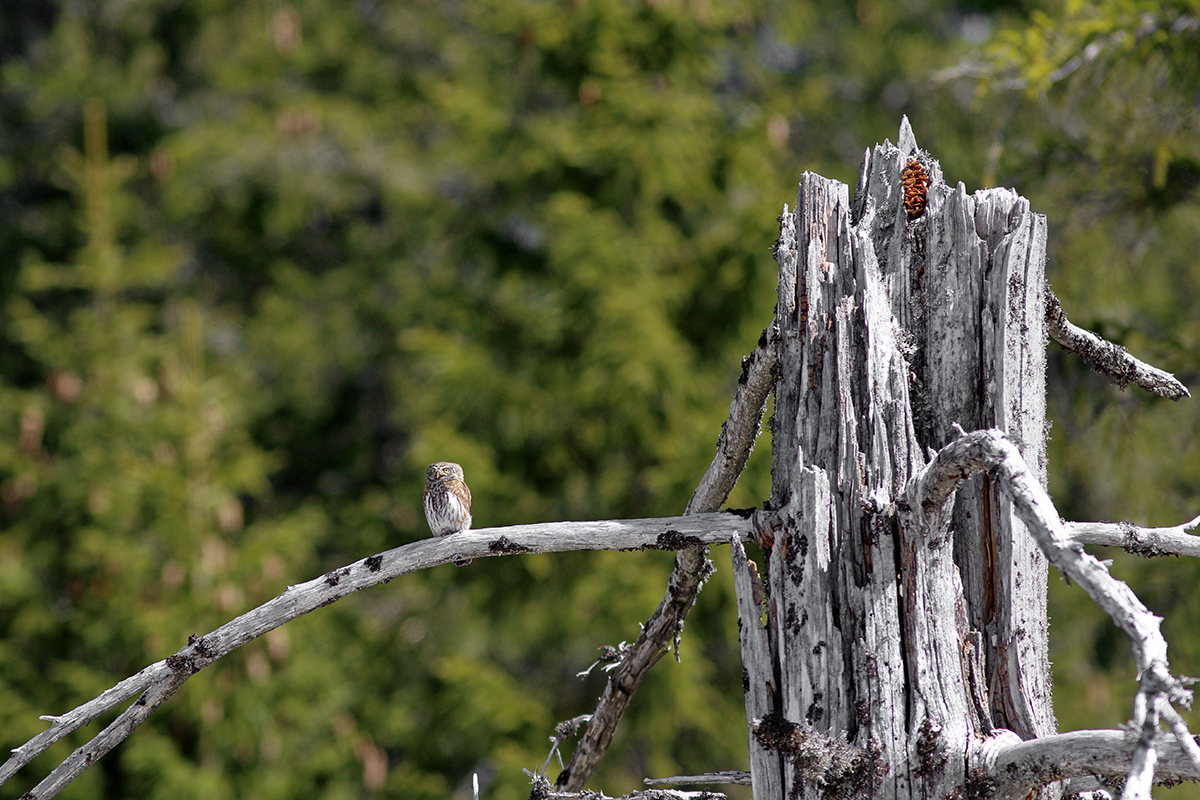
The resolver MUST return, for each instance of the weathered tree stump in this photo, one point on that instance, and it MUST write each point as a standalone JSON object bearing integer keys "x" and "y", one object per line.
{"x": 913, "y": 309}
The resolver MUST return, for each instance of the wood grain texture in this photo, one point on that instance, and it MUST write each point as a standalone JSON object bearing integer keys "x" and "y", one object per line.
{"x": 909, "y": 632}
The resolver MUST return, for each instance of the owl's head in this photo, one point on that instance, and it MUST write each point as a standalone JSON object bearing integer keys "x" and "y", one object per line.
{"x": 443, "y": 470}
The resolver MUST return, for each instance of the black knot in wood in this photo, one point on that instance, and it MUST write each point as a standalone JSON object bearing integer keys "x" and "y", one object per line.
{"x": 181, "y": 664}
{"x": 930, "y": 757}
{"x": 674, "y": 540}
{"x": 374, "y": 563}
{"x": 1135, "y": 544}
{"x": 506, "y": 546}
{"x": 915, "y": 182}
{"x": 335, "y": 577}
{"x": 608, "y": 655}
{"x": 202, "y": 648}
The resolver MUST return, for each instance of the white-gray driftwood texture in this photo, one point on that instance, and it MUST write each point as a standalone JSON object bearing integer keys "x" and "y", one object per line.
{"x": 904, "y": 650}
{"x": 894, "y": 328}
{"x": 906, "y": 636}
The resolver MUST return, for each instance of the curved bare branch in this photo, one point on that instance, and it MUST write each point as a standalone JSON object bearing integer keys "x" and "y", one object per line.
{"x": 158, "y": 681}
{"x": 991, "y": 451}
{"x": 690, "y": 535}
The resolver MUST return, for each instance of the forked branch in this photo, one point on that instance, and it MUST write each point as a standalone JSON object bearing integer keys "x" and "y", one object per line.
{"x": 690, "y": 535}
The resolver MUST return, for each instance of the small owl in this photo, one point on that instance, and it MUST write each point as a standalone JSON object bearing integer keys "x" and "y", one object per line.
{"x": 447, "y": 501}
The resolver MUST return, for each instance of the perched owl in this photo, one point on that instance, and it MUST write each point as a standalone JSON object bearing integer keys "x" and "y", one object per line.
{"x": 447, "y": 501}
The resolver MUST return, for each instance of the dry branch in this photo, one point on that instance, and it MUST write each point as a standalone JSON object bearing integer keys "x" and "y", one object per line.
{"x": 648, "y": 794}
{"x": 692, "y": 566}
{"x": 1149, "y": 542}
{"x": 740, "y": 431}
{"x": 1105, "y": 753}
{"x": 158, "y": 681}
{"x": 542, "y": 791}
{"x": 990, "y": 451}
{"x": 690, "y": 535}
{"x": 110, "y": 737}
{"x": 725, "y": 776}
{"x": 1108, "y": 358}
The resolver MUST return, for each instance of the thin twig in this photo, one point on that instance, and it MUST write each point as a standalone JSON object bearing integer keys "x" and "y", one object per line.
{"x": 1179, "y": 728}
{"x": 1108, "y": 358}
{"x": 563, "y": 730}
{"x": 726, "y": 776}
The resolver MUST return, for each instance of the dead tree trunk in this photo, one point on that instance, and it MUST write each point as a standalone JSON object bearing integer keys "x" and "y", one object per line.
{"x": 912, "y": 310}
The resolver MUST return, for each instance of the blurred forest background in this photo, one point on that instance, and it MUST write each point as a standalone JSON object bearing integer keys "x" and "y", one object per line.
{"x": 263, "y": 261}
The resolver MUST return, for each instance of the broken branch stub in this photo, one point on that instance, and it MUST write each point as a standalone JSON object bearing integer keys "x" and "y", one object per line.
{"x": 1108, "y": 358}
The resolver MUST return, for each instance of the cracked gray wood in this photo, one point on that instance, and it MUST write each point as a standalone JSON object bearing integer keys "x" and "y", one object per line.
{"x": 907, "y": 601}
{"x": 892, "y": 330}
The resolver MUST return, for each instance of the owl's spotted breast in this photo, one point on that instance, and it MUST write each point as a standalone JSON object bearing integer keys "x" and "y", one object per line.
{"x": 447, "y": 501}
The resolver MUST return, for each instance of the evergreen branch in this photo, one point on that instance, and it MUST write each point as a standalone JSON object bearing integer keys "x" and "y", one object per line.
{"x": 158, "y": 681}
{"x": 1108, "y": 358}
